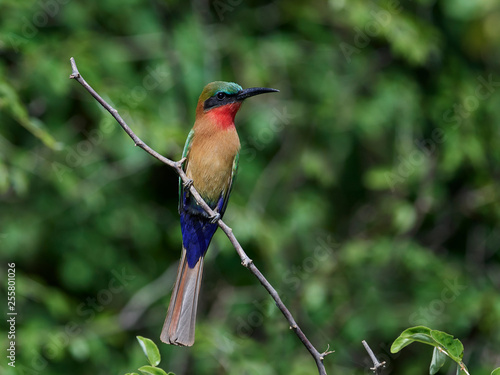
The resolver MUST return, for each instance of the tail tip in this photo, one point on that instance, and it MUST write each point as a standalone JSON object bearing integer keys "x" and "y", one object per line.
{"x": 173, "y": 341}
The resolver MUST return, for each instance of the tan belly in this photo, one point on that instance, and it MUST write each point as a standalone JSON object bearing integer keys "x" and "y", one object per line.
{"x": 210, "y": 164}
{"x": 210, "y": 179}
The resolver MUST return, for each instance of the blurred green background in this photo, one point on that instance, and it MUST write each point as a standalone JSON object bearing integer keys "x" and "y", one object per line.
{"x": 367, "y": 190}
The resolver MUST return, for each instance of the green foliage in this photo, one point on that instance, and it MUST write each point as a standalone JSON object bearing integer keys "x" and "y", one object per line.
{"x": 10, "y": 103}
{"x": 443, "y": 343}
{"x": 153, "y": 355}
{"x": 150, "y": 370}
{"x": 367, "y": 190}
{"x": 437, "y": 361}
{"x": 150, "y": 350}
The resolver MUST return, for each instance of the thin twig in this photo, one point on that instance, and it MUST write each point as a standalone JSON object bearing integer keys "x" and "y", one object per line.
{"x": 245, "y": 260}
{"x": 461, "y": 364}
{"x": 377, "y": 366}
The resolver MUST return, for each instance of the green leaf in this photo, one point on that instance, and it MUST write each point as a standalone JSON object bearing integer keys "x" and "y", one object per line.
{"x": 449, "y": 345}
{"x": 150, "y": 370}
{"x": 452, "y": 346}
{"x": 438, "y": 359}
{"x": 496, "y": 371}
{"x": 400, "y": 343}
{"x": 420, "y": 334}
{"x": 150, "y": 350}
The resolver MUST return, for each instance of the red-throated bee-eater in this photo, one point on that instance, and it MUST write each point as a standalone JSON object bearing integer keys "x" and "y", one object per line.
{"x": 211, "y": 159}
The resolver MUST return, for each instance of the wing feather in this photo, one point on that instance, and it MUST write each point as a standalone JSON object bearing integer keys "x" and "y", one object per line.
{"x": 227, "y": 193}
{"x": 185, "y": 153}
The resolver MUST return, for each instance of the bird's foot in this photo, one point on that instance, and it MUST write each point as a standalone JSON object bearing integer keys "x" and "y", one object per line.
{"x": 187, "y": 185}
{"x": 215, "y": 218}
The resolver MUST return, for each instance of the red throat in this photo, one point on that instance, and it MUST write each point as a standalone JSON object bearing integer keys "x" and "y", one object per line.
{"x": 223, "y": 116}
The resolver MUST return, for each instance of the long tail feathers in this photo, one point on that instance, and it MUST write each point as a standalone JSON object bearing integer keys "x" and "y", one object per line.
{"x": 181, "y": 316}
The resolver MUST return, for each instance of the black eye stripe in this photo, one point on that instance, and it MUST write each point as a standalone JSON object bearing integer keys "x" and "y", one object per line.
{"x": 220, "y": 98}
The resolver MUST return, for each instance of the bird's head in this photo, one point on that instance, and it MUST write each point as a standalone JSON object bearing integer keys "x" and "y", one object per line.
{"x": 220, "y": 100}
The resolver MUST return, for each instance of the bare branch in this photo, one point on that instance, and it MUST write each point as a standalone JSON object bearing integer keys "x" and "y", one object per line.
{"x": 377, "y": 366}
{"x": 245, "y": 260}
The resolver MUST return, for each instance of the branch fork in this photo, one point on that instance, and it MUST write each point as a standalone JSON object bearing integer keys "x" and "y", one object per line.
{"x": 377, "y": 366}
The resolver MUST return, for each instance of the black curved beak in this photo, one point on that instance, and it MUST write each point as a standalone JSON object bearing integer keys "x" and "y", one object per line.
{"x": 246, "y": 93}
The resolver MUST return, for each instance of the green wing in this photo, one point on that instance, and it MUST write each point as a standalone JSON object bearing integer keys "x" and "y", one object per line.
{"x": 185, "y": 153}
{"x": 236, "y": 162}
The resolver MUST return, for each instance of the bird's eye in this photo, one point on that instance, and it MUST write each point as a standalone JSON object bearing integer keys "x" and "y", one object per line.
{"x": 221, "y": 95}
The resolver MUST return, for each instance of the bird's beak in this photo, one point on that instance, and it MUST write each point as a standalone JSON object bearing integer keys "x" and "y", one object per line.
{"x": 246, "y": 93}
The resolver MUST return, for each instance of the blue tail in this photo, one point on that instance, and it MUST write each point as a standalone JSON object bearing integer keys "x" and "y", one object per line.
{"x": 197, "y": 232}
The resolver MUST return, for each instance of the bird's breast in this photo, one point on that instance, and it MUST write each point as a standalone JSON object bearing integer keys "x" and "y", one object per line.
{"x": 210, "y": 162}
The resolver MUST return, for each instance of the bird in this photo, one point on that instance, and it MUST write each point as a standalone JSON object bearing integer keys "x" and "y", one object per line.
{"x": 210, "y": 161}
